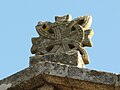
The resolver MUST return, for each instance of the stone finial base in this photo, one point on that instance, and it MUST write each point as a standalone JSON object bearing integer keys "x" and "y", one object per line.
{"x": 72, "y": 58}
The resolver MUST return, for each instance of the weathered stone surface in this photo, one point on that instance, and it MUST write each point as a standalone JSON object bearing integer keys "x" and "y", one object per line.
{"x": 46, "y": 87}
{"x": 92, "y": 75}
{"x": 5, "y": 86}
{"x": 61, "y": 77}
{"x": 72, "y": 58}
{"x": 63, "y": 35}
{"x": 118, "y": 83}
{"x": 27, "y": 78}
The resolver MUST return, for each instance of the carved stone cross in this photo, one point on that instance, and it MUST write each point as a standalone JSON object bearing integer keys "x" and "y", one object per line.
{"x": 63, "y": 35}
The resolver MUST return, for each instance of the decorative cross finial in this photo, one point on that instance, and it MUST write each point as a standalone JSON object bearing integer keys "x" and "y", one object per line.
{"x": 63, "y": 35}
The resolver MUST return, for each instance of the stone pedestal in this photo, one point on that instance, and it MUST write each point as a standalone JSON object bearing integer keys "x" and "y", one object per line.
{"x": 72, "y": 58}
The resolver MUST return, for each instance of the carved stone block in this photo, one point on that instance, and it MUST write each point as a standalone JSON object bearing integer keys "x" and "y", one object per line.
{"x": 72, "y": 58}
{"x": 63, "y": 35}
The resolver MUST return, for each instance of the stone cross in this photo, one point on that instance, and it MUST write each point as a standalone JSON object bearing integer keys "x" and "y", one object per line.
{"x": 63, "y": 35}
